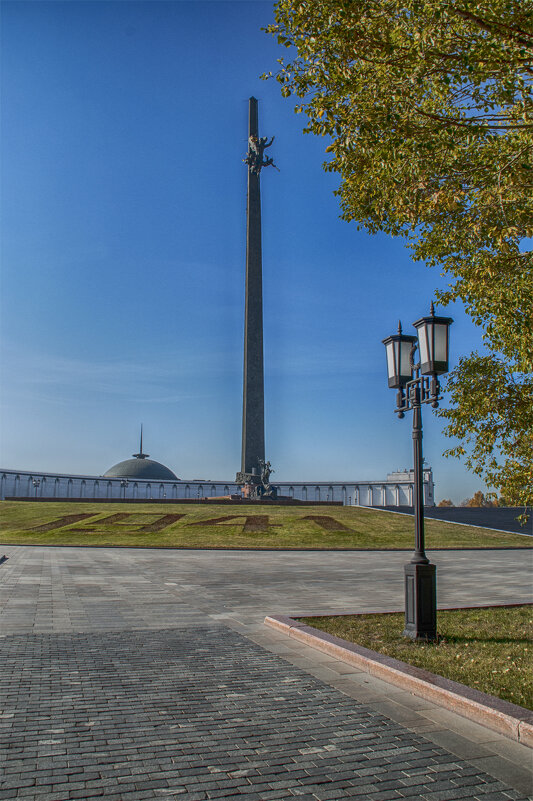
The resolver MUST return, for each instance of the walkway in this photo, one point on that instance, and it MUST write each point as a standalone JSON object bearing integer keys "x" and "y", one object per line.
{"x": 501, "y": 518}
{"x": 147, "y": 674}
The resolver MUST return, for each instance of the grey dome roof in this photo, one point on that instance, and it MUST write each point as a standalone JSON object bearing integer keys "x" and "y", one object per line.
{"x": 141, "y": 467}
{"x": 145, "y": 469}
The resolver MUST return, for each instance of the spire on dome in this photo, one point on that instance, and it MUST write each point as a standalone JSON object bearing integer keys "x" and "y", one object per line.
{"x": 141, "y": 455}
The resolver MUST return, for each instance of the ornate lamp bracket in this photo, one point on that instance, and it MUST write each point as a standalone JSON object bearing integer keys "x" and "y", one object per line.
{"x": 421, "y": 389}
{"x": 414, "y": 365}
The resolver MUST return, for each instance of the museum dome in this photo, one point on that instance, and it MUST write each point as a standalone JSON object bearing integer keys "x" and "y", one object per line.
{"x": 145, "y": 469}
{"x": 141, "y": 467}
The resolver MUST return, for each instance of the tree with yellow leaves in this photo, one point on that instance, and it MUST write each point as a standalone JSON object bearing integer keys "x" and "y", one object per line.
{"x": 428, "y": 109}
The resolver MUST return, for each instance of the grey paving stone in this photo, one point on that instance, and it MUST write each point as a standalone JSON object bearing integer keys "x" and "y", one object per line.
{"x": 205, "y": 691}
{"x": 417, "y": 791}
{"x": 130, "y": 692}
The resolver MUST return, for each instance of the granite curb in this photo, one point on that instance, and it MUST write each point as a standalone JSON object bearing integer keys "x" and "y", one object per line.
{"x": 269, "y": 549}
{"x": 509, "y": 719}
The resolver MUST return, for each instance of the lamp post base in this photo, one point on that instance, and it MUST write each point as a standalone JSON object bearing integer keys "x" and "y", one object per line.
{"x": 420, "y": 601}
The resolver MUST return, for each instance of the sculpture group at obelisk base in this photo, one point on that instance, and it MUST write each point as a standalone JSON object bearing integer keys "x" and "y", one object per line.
{"x": 255, "y": 473}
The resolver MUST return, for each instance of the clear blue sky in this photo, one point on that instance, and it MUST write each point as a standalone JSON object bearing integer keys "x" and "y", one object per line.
{"x": 124, "y": 130}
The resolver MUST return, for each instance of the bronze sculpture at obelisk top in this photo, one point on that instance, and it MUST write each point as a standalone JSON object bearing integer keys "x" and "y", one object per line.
{"x": 253, "y": 413}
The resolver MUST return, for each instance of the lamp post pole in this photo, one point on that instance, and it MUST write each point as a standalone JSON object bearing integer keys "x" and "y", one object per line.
{"x": 417, "y": 384}
{"x": 419, "y": 555}
{"x": 420, "y": 576}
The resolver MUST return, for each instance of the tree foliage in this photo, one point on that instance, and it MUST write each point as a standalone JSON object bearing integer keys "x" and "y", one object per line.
{"x": 478, "y": 500}
{"x": 491, "y": 414}
{"x": 428, "y": 107}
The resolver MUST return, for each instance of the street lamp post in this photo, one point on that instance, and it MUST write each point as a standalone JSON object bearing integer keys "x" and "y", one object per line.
{"x": 418, "y": 383}
{"x": 36, "y": 483}
{"x": 124, "y": 485}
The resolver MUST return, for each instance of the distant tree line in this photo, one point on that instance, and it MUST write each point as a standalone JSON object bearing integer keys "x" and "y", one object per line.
{"x": 478, "y": 500}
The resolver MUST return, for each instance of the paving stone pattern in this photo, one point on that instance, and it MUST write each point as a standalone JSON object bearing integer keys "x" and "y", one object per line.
{"x": 148, "y": 674}
{"x": 82, "y": 589}
{"x": 201, "y": 713}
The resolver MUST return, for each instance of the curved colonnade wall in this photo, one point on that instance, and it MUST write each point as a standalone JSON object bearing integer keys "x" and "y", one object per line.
{"x": 396, "y": 490}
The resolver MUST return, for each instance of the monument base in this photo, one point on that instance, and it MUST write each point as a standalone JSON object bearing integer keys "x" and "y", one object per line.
{"x": 257, "y": 492}
{"x": 239, "y": 500}
{"x": 256, "y": 487}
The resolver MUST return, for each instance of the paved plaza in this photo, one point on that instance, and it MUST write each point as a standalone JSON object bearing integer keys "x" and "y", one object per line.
{"x": 148, "y": 674}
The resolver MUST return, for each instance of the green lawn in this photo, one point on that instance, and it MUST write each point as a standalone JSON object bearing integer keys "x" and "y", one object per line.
{"x": 225, "y": 526}
{"x": 488, "y": 649}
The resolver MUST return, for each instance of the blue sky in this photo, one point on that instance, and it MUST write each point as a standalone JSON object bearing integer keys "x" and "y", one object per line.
{"x": 123, "y": 254}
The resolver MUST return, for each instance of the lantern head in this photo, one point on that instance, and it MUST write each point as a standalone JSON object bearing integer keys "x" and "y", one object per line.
{"x": 399, "y": 364}
{"x": 433, "y": 343}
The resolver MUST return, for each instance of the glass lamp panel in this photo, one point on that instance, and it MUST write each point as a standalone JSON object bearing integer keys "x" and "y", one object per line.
{"x": 441, "y": 343}
{"x": 425, "y": 342}
{"x": 390, "y": 360}
{"x": 406, "y": 372}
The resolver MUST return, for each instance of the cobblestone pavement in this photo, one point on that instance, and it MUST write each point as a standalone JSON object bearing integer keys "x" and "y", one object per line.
{"x": 148, "y": 675}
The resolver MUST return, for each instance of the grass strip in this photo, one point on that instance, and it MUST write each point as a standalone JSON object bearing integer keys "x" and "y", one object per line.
{"x": 219, "y": 526}
{"x": 488, "y": 649}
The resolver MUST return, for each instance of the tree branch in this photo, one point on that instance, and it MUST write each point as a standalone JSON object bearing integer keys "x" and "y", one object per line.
{"x": 496, "y": 27}
{"x": 468, "y": 123}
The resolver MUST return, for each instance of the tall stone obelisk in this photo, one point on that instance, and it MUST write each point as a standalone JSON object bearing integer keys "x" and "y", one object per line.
{"x": 253, "y": 413}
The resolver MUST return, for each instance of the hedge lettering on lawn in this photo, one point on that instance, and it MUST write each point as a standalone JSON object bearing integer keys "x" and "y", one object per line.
{"x": 251, "y": 524}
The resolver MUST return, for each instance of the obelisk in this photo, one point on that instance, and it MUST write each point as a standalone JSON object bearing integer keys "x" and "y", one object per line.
{"x": 253, "y": 412}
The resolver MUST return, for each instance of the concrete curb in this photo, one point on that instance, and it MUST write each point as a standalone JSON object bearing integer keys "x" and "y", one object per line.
{"x": 503, "y": 717}
{"x": 270, "y": 549}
